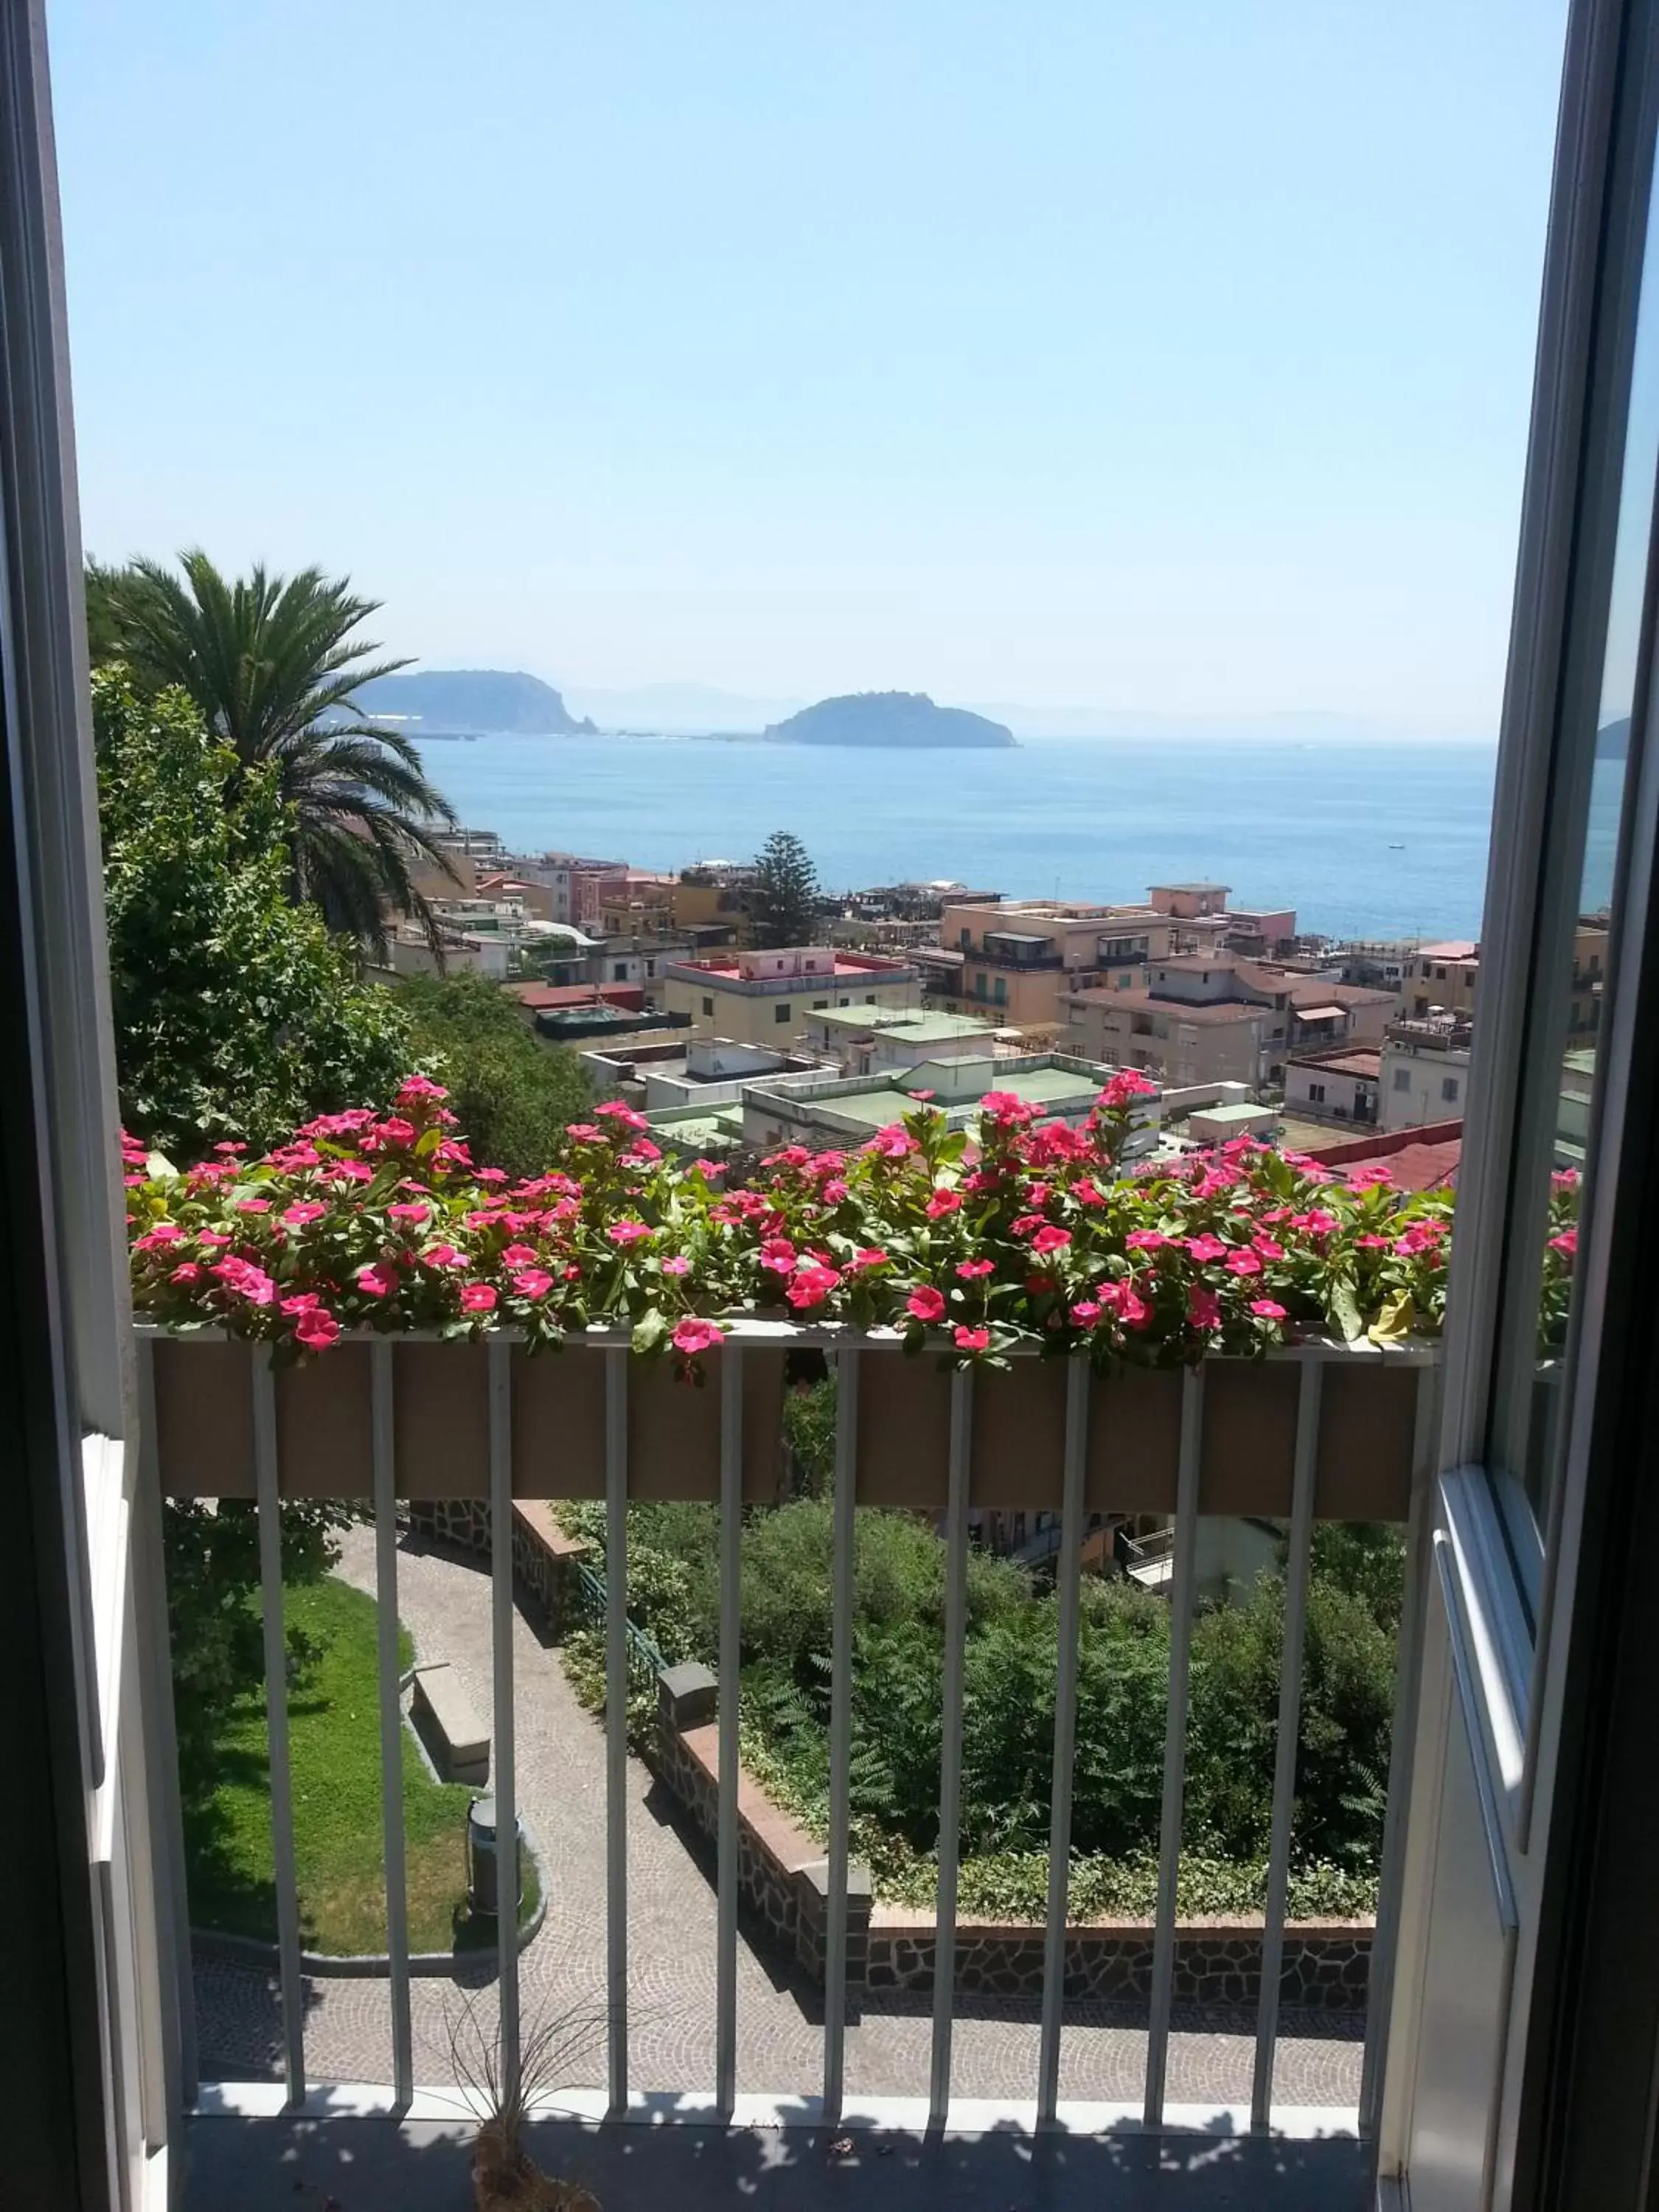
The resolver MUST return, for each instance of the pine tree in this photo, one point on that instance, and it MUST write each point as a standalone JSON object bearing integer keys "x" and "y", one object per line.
{"x": 786, "y": 892}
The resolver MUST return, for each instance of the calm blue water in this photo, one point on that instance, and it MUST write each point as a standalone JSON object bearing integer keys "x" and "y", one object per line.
{"x": 1283, "y": 822}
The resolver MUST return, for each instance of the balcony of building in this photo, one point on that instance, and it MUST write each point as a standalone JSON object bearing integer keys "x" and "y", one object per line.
{"x": 757, "y": 2024}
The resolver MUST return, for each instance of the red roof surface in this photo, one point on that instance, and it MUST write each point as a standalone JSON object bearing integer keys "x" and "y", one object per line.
{"x": 546, "y": 998}
{"x": 1416, "y": 1159}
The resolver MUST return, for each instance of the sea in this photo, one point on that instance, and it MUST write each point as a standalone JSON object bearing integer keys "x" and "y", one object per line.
{"x": 1374, "y": 839}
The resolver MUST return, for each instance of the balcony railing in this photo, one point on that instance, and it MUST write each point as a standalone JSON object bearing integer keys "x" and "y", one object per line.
{"x": 1319, "y": 1431}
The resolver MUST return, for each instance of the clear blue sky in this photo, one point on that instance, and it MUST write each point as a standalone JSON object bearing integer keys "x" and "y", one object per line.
{"x": 1158, "y": 356}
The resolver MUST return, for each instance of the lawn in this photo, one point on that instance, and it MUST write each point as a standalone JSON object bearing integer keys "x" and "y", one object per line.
{"x": 334, "y": 1735}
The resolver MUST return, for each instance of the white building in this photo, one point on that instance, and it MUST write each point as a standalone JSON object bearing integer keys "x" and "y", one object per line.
{"x": 1425, "y": 1071}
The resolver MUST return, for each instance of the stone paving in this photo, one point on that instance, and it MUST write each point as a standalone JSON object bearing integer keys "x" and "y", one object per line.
{"x": 445, "y": 1603}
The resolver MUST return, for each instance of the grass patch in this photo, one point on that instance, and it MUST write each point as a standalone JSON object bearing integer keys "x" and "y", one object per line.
{"x": 334, "y": 1736}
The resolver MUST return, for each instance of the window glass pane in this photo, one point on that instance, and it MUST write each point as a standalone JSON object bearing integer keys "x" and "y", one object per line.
{"x": 1572, "y": 984}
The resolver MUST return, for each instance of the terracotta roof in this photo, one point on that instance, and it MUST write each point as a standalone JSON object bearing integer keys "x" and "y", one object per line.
{"x": 1417, "y": 1159}
{"x": 1366, "y": 1061}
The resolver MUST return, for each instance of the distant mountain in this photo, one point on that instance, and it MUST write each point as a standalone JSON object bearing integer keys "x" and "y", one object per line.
{"x": 888, "y": 718}
{"x": 473, "y": 699}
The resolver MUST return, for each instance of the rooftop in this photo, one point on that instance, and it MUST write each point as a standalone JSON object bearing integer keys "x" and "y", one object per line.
{"x": 1364, "y": 1061}
{"x": 1141, "y": 1001}
{"x": 915, "y": 1026}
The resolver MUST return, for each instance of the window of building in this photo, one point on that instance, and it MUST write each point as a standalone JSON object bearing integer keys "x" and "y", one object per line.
{"x": 1001, "y": 993}
{"x": 966, "y": 938}
{"x": 781, "y": 1013}
{"x": 869, "y": 999}
{"x": 1439, "y": 975}
{"x": 818, "y": 1005}
{"x": 619, "y": 971}
{"x": 707, "y": 1005}
{"x": 1449, "y": 1089}
{"x": 1403, "y": 1078}
{"x": 1316, "y": 1093}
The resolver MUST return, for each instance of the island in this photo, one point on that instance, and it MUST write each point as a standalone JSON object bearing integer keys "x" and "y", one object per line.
{"x": 481, "y": 702}
{"x": 887, "y": 719}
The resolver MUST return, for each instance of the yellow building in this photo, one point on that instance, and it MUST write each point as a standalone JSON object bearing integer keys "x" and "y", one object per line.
{"x": 767, "y": 998}
{"x": 1016, "y": 961}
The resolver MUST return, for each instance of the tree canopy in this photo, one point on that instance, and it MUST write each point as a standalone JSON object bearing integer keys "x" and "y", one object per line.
{"x": 511, "y": 1095}
{"x": 236, "y": 1014}
{"x": 272, "y": 666}
{"x": 786, "y": 904}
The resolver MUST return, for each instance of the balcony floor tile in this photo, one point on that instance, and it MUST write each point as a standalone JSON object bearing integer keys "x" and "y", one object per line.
{"x": 376, "y": 2165}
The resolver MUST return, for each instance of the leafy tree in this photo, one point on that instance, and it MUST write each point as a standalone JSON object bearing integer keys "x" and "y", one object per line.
{"x": 785, "y": 893}
{"x": 272, "y": 666}
{"x": 236, "y": 1015}
{"x": 511, "y": 1095}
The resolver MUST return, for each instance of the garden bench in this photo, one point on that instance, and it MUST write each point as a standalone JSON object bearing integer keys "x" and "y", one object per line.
{"x": 457, "y": 1738}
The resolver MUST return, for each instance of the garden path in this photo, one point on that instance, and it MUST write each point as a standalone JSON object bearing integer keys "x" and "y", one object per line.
{"x": 444, "y": 1601}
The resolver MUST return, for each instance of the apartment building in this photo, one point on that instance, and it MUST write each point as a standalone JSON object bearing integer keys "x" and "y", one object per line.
{"x": 753, "y": 997}
{"x": 864, "y": 1040}
{"x": 1343, "y": 1085}
{"x": 1424, "y": 1069}
{"x": 1016, "y": 960}
{"x": 1210, "y": 923}
{"x": 844, "y": 1111}
{"x": 1218, "y": 1016}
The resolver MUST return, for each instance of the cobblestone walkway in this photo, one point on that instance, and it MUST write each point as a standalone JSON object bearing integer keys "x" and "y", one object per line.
{"x": 445, "y": 1603}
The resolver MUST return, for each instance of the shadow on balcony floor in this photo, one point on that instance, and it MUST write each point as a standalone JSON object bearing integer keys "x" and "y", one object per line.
{"x": 375, "y": 2165}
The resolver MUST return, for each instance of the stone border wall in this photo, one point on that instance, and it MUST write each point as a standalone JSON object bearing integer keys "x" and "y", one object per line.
{"x": 783, "y": 1876}
{"x": 542, "y": 1553}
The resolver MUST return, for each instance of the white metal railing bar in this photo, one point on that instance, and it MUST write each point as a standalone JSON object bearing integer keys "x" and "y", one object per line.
{"x": 268, "y": 1508}
{"x": 950, "y": 1761}
{"x": 731, "y": 1657}
{"x": 1289, "y": 1728}
{"x": 1175, "y": 1741}
{"x": 392, "y": 1733}
{"x": 1059, "y": 1830}
{"x": 615, "y": 1724}
{"x": 505, "y": 1778}
{"x": 841, "y": 1730}
{"x": 1385, "y": 1935}
{"x": 161, "y": 1753}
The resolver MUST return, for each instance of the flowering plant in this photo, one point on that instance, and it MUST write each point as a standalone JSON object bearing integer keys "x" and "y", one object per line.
{"x": 1035, "y": 1235}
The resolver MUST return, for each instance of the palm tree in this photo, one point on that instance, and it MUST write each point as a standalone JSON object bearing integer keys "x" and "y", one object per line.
{"x": 272, "y": 666}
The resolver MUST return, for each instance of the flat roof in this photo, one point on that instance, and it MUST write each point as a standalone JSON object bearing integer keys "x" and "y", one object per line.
{"x": 1243, "y": 1114}
{"x": 1142, "y": 1002}
{"x": 1358, "y": 1060}
{"x": 921, "y": 1028}
{"x": 1322, "y": 1013}
{"x": 1191, "y": 887}
{"x": 1020, "y": 936}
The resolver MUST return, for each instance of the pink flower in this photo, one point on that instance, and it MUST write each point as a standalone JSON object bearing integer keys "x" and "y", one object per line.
{"x": 1417, "y": 1239}
{"x": 518, "y": 1255}
{"x": 163, "y": 1234}
{"x": 1203, "y": 1308}
{"x": 211, "y": 1237}
{"x": 477, "y": 1297}
{"x": 973, "y": 1340}
{"x": 860, "y": 1262}
{"x": 187, "y": 1274}
{"x": 414, "y": 1087}
{"x": 694, "y": 1335}
{"x": 676, "y": 1264}
{"x": 1266, "y": 1310}
{"x": 378, "y": 1279}
{"x": 811, "y": 1285}
{"x": 615, "y": 1110}
{"x": 926, "y": 1305}
{"x": 1087, "y": 1193}
{"x": 443, "y": 1255}
{"x": 1566, "y": 1243}
{"x": 1049, "y": 1238}
{"x": 493, "y": 1175}
{"x": 1316, "y": 1221}
{"x": 302, "y": 1301}
{"x": 253, "y": 1205}
{"x": 303, "y": 1213}
{"x": 1206, "y": 1248}
{"x": 1128, "y": 1083}
{"x": 392, "y": 1131}
{"x": 923, "y": 1096}
{"x": 943, "y": 1202}
{"x": 410, "y": 1210}
{"x": 1003, "y": 1107}
{"x": 1267, "y": 1248}
{"x": 1243, "y": 1263}
{"x": 532, "y": 1282}
{"x": 349, "y": 1171}
{"x": 585, "y": 1132}
{"x": 892, "y": 1143}
{"x": 1145, "y": 1240}
{"x": 316, "y": 1329}
{"x": 777, "y": 1255}
{"x": 971, "y": 1270}
{"x": 1372, "y": 1244}
{"x": 833, "y": 1192}
{"x": 641, "y": 1152}
{"x": 1086, "y": 1313}
{"x": 627, "y": 1233}
{"x": 1132, "y": 1309}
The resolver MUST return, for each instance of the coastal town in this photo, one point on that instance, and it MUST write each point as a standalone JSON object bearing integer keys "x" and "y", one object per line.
{"x": 676, "y": 997}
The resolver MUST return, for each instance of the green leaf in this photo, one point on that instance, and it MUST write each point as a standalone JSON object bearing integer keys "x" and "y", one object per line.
{"x": 1344, "y": 1310}
{"x": 1394, "y": 1323}
{"x": 651, "y": 1330}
